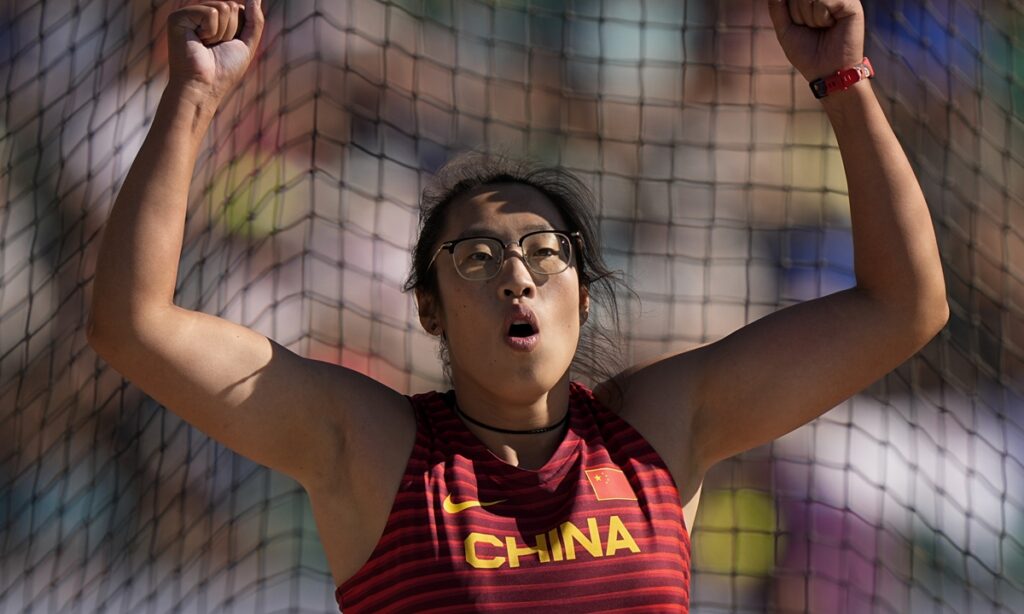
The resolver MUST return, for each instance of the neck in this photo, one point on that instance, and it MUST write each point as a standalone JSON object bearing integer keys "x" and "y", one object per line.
{"x": 529, "y": 450}
{"x": 503, "y": 431}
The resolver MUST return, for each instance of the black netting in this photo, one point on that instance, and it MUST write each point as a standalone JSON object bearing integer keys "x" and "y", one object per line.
{"x": 721, "y": 196}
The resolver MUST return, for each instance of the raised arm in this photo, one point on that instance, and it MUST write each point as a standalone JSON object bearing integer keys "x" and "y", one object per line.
{"x": 234, "y": 384}
{"x": 787, "y": 368}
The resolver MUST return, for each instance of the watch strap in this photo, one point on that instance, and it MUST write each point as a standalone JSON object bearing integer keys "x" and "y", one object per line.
{"x": 842, "y": 79}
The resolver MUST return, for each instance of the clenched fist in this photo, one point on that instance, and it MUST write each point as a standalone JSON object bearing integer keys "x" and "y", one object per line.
{"x": 819, "y": 37}
{"x": 210, "y": 44}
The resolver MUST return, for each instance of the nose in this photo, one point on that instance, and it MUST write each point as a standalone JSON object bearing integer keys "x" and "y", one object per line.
{"x": 516, "y": 281}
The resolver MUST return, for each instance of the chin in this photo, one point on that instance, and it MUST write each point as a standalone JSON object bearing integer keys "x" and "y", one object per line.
{"x": 521, "y": 383}
{"x": 527, "y": 382}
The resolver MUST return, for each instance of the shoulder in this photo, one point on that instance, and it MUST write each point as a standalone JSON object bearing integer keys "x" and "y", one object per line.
{"x": 424, "y": 401}
{"x": 594, "y": 402}
{"x": 602, "y": 402}
{"x": 659, "y": 399}
{"x": 429, "y": 408}
{"x": 606, "y": 422}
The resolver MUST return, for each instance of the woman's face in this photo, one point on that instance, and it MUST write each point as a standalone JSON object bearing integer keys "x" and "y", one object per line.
{"x": 488, "y": 346}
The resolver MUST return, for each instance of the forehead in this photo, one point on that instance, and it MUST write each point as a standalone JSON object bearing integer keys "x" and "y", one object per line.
{"x": 509, "y": 209}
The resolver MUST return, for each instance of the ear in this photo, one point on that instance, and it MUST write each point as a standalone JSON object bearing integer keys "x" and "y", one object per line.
{"x": 584, "y": 304}
{"x": 429, "y": 311}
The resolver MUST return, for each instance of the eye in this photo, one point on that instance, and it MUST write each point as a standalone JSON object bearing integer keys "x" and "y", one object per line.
{"x": 476, "y": 254}
{"x": 545, "y": 246}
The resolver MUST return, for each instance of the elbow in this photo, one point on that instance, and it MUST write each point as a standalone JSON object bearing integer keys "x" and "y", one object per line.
{"x": 97, "y": 337}
{"x": 111, "y": 344}
{"x": 935, "y": 317}
{"x": 930, "y": 316}
{"x": 914, "y": 319}
{"x": 922, "y": 306}
{"x": 936, "y": 306}
{"x": 119, "y": 335}
{"x": 104, "y": 335}
{"x": 93, "y": 329}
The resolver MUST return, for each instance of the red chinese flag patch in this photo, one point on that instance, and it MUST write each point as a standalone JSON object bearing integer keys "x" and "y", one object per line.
{"x": 610, "y": 483}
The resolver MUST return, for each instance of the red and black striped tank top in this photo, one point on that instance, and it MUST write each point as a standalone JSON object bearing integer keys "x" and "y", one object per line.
{"x": 598, "y": 528}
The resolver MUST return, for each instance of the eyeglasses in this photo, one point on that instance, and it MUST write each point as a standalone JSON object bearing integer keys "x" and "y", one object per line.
{"x": 545, "y": 252}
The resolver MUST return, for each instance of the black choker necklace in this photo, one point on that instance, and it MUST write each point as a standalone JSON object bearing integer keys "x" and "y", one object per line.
{"x": 545, "y": 429}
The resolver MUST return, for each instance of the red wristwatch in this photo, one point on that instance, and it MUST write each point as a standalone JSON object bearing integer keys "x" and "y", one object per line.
{"x": 842, "y": 79}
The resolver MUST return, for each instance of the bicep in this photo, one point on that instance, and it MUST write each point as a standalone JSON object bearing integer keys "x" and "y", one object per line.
{"x": 782, "y": 371}
{"x": 767, "y": 378}
{"x": 250, "y": 394}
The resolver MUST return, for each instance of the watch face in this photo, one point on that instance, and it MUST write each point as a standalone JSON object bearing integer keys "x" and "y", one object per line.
{"x": 819, "y": 88}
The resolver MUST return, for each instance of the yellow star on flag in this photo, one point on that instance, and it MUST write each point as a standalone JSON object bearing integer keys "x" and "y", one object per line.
{"x": 610, "y": 483}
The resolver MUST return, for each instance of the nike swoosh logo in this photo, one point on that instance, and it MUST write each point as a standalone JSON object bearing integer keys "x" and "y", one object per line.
{"x": 454, "y": 508}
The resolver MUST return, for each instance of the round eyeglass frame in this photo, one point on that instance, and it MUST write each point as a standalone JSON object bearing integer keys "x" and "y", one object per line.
{"x": 450, "y": 246}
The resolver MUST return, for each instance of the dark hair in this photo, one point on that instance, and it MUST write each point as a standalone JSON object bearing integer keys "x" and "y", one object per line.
{"x": 597, "y": 356}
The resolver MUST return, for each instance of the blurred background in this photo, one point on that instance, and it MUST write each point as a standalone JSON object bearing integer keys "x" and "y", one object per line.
{"x": 721, "y": 198}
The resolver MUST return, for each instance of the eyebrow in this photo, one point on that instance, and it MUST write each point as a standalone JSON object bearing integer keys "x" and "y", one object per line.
{"x": 478, "y": 231}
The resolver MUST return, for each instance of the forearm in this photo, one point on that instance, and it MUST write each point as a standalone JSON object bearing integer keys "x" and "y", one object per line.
{"x": 138, "y": 259}
{"x": 896, "y": 259}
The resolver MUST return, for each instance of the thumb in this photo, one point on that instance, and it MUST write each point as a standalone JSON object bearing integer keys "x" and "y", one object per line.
{"x": 252, "y": 30}
{"x": 779, "y": 13}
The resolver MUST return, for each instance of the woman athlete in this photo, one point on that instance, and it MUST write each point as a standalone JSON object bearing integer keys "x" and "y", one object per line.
{"x": 517, "y": 489}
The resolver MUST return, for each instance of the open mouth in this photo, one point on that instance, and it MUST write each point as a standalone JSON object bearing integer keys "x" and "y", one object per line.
{"x": 522, "y": 333}
{"x": 521, "y": 330}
